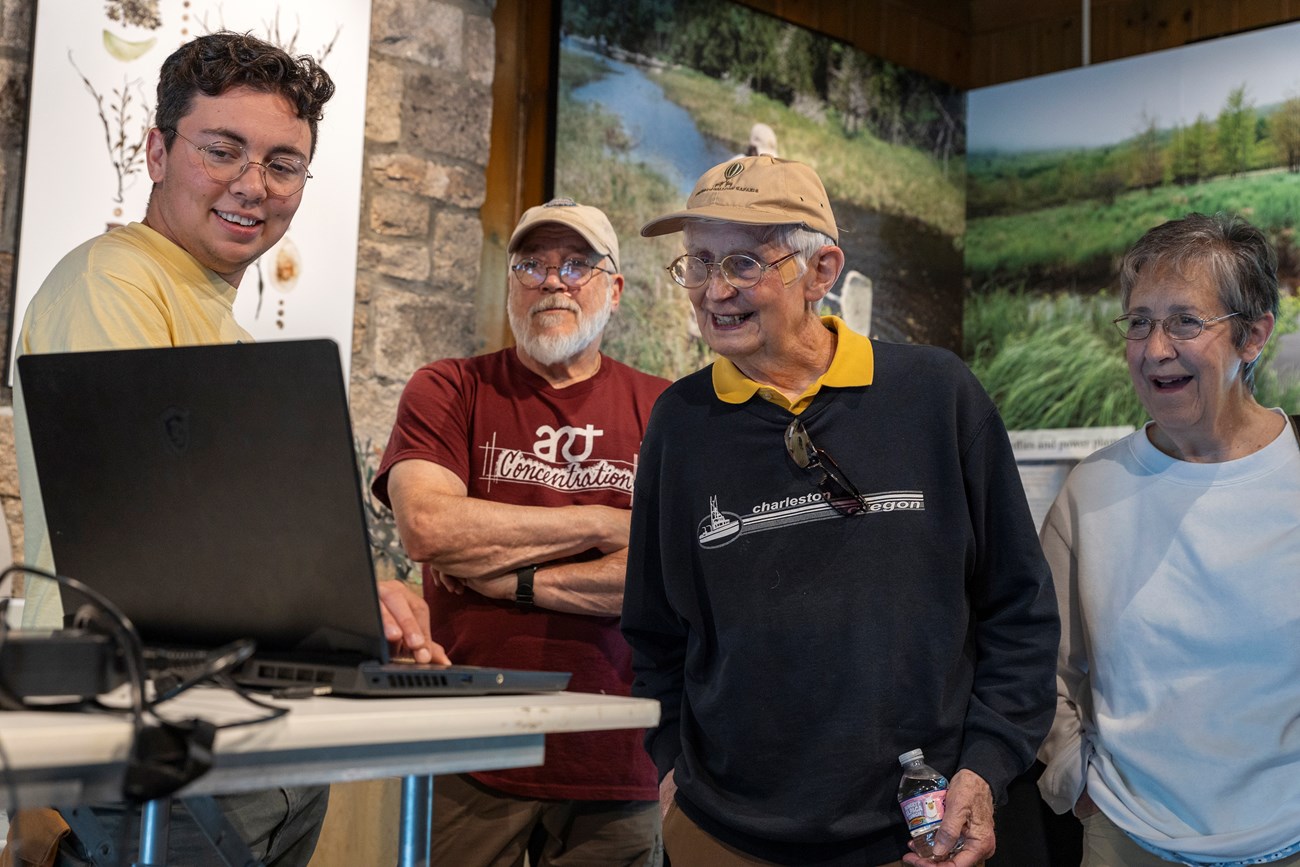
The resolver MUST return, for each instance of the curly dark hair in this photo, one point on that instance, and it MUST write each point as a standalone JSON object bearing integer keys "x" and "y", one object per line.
{"x": 217, "y": 62}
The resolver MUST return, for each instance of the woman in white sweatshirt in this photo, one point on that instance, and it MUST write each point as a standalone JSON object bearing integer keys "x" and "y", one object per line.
{"x": 1176, "y": 557}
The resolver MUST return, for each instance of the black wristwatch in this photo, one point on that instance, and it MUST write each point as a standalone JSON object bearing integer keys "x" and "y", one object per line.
{"x": 524, "y": 587}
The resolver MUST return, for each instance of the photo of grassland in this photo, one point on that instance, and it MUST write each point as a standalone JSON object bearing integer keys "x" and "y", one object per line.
{"x": 1048, "y": 220}
{"x": 654, "y": 92}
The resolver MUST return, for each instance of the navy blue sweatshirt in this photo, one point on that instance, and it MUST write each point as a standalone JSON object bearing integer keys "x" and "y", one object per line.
{"x": 796, "y": 649}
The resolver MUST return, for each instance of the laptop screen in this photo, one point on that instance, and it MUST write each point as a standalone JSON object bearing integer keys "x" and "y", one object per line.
{"x": 212, "y": 492}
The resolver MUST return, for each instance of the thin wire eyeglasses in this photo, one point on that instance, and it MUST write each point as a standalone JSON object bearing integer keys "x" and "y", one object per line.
{"x": 740, "y": 270}
{"x": 573, "y": 273}
{"x": 841, "y": 493}
{"x": 1179, "y": 326}
{"x": 225, "y": 162}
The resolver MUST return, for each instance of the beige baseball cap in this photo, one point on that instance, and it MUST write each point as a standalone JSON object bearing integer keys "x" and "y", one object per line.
{"x": 758, "y": 191}
{"x": 591, "y": 223}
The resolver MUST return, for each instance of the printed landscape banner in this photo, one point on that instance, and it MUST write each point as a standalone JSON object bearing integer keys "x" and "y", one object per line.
{"x": 654, "y": 92}
{"x": 1066, "y": 171}
{"x": 94, "y": 79}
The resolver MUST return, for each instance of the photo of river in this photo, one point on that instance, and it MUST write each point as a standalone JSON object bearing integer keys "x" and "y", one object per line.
{"x": 916, "y": 272}
{"x": 640, "y": 119}
{"x": 663, "y": 134}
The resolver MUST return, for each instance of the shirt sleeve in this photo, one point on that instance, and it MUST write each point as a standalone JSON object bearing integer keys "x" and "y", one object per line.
{"x": 1065, "y": 752}
{"x": 1015, "y": 624}
{"x": 654, "y": 631}
{"x": 99, "y": 310}
{"x": 432, "y": 424}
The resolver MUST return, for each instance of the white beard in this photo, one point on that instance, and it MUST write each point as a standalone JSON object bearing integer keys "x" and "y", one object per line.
{"x": 548, "y": 349}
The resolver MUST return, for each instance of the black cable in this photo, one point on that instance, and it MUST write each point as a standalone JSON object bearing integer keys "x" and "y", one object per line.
{"x": 275, "y": 710}
{"x": 215, "y": 670}
{"x": 180, "y": 738}
{"x": 120, "y": 626}
{"x": 11, "y": 785}
{"x": 212, "y": 665}
{"x": 121, "y": 630}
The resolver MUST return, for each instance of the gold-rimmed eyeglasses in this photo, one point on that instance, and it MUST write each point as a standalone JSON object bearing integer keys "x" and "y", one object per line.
{"x": 1179, "y": 326}
{"x": 740, "y": 270}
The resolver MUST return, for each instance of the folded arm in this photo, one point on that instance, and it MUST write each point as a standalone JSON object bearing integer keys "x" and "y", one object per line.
{"x": 479, "y": 544}
{"x": 577, "y": 587}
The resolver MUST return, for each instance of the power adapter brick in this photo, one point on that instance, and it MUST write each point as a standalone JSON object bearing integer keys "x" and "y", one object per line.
{"x": 66, "y": 663}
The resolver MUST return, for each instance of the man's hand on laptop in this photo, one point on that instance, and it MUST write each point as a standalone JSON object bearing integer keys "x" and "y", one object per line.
{"x": 406, "y": 623}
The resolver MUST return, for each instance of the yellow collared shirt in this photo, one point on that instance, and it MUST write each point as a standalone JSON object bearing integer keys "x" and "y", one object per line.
{"x": 852, "y": 365}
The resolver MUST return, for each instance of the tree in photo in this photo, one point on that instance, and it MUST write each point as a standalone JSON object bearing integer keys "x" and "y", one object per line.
{"x": 1286, "y": 133}
{"x": 1236, "y": 138}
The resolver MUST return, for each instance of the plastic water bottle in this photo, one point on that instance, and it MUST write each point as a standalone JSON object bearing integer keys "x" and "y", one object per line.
{"x": 921, "y": 794}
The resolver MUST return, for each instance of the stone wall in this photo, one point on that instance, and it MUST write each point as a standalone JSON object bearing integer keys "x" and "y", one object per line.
{"x": 428, "y": 117}
{"x": 15, "y": 58}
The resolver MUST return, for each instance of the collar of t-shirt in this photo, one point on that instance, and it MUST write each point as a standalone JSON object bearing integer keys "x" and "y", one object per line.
{"x": 852, "y": 365}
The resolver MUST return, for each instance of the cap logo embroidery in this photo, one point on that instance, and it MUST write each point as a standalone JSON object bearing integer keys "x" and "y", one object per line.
{"x": 561, "y": 203}
{"x": 733, "y": 170}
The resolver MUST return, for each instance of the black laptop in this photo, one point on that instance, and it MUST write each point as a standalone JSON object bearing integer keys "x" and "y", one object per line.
{"x": 212, "y": 492}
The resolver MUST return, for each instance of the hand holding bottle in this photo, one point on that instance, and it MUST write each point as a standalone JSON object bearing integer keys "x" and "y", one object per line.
{"x": 968, "y": 820}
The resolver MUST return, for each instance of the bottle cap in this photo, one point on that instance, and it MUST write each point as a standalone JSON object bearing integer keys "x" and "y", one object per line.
{"x": 911, "y": 756}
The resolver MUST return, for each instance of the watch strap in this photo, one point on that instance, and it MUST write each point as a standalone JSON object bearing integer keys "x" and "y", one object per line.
{"x": 524, "y": 587}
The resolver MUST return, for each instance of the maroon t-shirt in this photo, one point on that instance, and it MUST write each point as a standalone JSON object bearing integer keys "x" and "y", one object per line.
{"x": 512, "y": 438}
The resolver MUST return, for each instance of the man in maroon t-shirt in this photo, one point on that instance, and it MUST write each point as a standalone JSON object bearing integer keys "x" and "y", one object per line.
{"x": 510, "y": 475}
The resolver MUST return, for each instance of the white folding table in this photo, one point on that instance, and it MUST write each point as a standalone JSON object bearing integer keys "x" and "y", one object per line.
{"x": 67, "y": 759}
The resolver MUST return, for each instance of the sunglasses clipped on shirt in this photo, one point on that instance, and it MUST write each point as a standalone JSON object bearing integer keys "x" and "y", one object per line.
{"x": 841, "y": 493}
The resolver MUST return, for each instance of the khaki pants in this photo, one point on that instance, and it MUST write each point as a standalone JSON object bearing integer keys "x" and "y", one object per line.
{"x": 476, "y": 826}
{"x": 1105, "y": 845}
{"x": 690, "y": 846}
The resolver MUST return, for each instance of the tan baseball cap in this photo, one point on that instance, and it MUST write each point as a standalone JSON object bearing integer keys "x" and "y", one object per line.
{"x": 591, "y": 223}
{"x": 757, "y": 191}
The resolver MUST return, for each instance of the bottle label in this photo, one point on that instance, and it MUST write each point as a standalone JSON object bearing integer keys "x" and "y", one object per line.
{"x": 924, "y": 812}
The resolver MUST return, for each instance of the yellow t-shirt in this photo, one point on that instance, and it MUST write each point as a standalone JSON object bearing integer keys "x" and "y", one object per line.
{"x": 853, "y": 364}
{"x": 129, "y": 288}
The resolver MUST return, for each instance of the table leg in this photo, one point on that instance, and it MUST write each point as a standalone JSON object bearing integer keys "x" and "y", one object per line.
{"x": 416, "y": 829}
{"x": 155, "y": 825}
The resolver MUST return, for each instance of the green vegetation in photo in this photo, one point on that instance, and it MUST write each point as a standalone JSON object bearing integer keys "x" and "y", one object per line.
{"x": 858, "y": 168}
{"x": 1273, "y": 387}
{"x": 1087, "y": 237}
{"x": 1056, "y": 361}
{"x": 1050, "y": 361}
{"x": 578, "y": 68}
{"x": 881, "y": 136}
{"x": 1240, "y": 139}
{"x": 790, "y": 65}
{"x": 652, "y": 330}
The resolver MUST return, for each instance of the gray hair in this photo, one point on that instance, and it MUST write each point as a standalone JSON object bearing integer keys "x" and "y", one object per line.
{"x": 1234, "y": 253}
